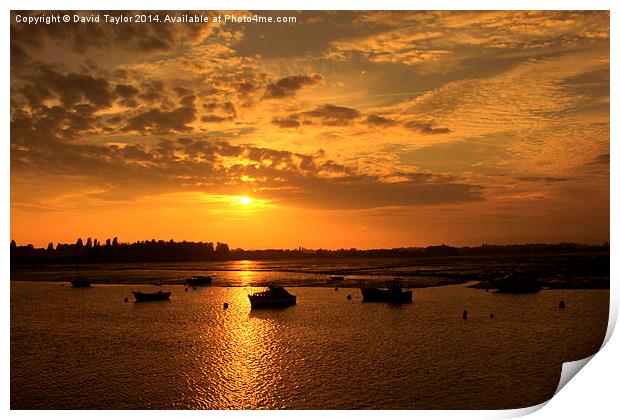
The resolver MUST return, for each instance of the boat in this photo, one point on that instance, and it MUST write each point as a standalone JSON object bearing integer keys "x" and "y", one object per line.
{"x": 393, "y": 294}
{"x": 336, "y": 278}
{"x": 80, "y": 282}
{"x": 273, "y": 297}
{"x": 199, "y": 281}
{"x": 517, "y": 283}
{"x": 150, "y": 297}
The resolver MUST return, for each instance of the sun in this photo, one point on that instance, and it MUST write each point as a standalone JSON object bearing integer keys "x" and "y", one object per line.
{"x": 245, "y": 200}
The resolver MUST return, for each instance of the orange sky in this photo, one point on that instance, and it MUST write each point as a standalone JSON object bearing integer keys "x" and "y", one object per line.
{"x": 345, "y": 129}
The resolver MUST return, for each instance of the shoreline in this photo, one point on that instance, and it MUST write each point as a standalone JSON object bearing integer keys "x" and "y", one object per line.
{"x": 481, "y": 285}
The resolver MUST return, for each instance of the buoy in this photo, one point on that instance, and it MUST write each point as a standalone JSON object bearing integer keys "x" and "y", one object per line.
{"x": 126, "y": 300}
{"x": 186, "y": 289}
{"x": 464, "y": 314}
{"x": 225, "y": 305}
{"x": 335, "y": 288}
{"x": 348, "y": 297}
{"x": 562, "y": 304}
{"x": 492, "y": 316}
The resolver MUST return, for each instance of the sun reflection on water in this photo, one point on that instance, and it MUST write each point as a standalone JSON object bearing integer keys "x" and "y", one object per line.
{"x": 246, "y": 371}
{"x": 245, "y": 271}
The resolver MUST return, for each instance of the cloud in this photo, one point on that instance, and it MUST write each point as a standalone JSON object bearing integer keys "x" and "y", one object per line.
{"x": 161, "y": 122}
{"x": 291, "y": 121}
{"x": 425, "y": 127}
{"x": 329, "y": 115}
{"x": 143, "y": 38}
{"x": 288, "y": 86}
{"x": 43, "y": 82}
{"x": 378, "y": 120}
{"x": 219, "y": 167}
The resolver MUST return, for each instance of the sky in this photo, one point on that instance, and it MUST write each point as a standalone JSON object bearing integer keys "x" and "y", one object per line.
{"x": 343, "y": 129}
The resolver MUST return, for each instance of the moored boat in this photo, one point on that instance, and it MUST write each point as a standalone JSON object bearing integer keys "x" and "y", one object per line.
{"x": 517, "y": 283}
{"x": 273, "y": 297}
{"x": 150, "y": 297}
{"x": 393, "y": 294}
{"x": 336, "y": 278}
{"x": 199, "y": 281}
{"x": 80, "y": 282}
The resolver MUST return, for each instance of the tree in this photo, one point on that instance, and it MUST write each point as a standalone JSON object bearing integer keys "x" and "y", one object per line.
{"x": 107, "y": 243}
{"x": 222, "y": 248}
{"x": 115, "y": 241}
{"x": 79, "y": 243}
{"x": 13, "y": 244}
{"x": 89, "y": 243}
{"x": 50, "y": 246}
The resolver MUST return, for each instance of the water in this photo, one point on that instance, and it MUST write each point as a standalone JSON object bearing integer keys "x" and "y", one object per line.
{"x": 89, "y": 349}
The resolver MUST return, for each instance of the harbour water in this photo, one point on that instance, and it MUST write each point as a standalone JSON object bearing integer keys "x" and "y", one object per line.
{"x": 89, "y": 349}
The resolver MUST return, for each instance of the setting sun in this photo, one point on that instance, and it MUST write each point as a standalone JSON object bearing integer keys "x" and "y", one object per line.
{"x": 245, "y": 200}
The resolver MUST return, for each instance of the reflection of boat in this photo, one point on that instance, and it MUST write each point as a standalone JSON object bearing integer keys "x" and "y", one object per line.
{"x": 80, "y": 282}
{"x": 517, "y": 283}
{"x": 393, "y": 294}
{"x": 274, "y": 296}
{"x": 199, "y": 281}
{"x": 150, "y": 297}
{"x": 335, "y": 278}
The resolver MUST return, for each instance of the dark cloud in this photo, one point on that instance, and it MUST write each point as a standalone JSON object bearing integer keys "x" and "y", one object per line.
{"x": 377, "y": 120}
{"x": 424, "y": 127}
{"x": 601, "y": 160}
{"x": 212, "y": 118}
{"x": 288, "y": 86}
{"x": 128, "y": 95}
{"x": 547, "y": 179}
{"x": 333, "y": 115}
{"x": 329, "y": 115}
{"x": 288, "y": 122}
{"x": 161, "y": 122}
{"x": 218, "y": 167}
{"x": 146, "y": 38}
{"x": 43, "y": 82}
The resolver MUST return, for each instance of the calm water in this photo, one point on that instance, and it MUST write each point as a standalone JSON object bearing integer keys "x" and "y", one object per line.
{"x": 87, "y": 348}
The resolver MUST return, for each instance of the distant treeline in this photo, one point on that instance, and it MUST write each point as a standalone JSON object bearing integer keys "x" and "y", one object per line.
{"x": 94, "y": 251}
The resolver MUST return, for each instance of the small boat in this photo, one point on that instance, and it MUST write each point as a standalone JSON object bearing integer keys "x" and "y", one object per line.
{"x": 336, "y": 278}
{"x": 150, "y": 297}
{"x": 80, "y": 282}
{"x": 517, "y": 283}
{"x": 393, "y": 294}
{"x": 199, "y": 281}
{"x": 273, "y": 297}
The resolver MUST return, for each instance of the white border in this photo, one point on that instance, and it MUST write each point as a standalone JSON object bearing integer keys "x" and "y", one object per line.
{"x": 592, "y": 394}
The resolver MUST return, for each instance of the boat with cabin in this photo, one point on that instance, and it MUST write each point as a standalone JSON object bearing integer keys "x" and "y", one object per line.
{"x": 393, "y": 294}
{"x": 517, "y": 283}
{"x": 273, "y": 297}
{"x": 199, "y": 281}
{"x": 80, "y": 282}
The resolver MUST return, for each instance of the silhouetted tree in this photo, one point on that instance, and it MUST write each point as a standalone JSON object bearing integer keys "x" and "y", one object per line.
{"x": 108, "y": 244}
{"x": 79, "y": 243}
{"x": 115, "y": 241}
{"x": 222, "y": 248}
{"x": 50, "y": 246}
{"x": 96, "y": 243}
{"x": 13, "y": 244}
{"x": 89, "y": 243}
